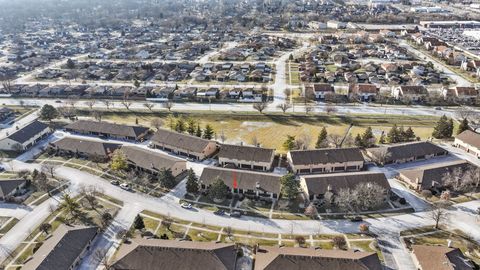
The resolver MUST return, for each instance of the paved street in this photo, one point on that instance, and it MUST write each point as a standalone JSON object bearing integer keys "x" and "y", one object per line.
{"x": 387, "y": 228}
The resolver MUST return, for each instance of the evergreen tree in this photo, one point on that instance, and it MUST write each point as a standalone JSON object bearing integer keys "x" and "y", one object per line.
{"x": 368, "y": 139}
{"x": 198, "y": 132}
{"x": 382, "y": 139}
{"x": 359, "y": 141}
{"x": 166, "y": 178}
{"x": 443, "y": 129}
{"x": 401, "y": 135}
{"x": 322, "y": 139}
{"x": 289, "y": 143}
{"x": 180, "y": 125}
{"x": 48, "y": 112}
{"x": 463, "y": 126}
{"x": 191, "y": 126}
{"x": 138, "y": 223}
{"x": 208, "y": 132}
{"x": 218, "y": 190}
{"x": 289, "y": 186}
{"x": 409, "y": 134}
{"x": 392, "y": 135}
{"x": 192, "y": 182}
{"x": 70, "y": 64}
{"x": 450, "y": 127}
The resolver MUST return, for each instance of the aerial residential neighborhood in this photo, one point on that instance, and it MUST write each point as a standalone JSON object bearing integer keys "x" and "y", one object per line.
{"x": 239, "y": 135}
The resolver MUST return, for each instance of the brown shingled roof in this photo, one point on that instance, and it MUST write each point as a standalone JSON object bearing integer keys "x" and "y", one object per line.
{"x": 405, "y": 150}
{"x": 89, "y": 147}
{"x": 470, "y": 137}
{"x": 180, "y": 140}
{"x": 319, "y": 184}
{"x": 250, "y": 153}
{"x": 440, "y": 258}
{"x": 147, "y": 254}
{"x": 149, "y": 159}
{"x": 324, "y": 156}
{"x": 434, "y": 172}
{"x": 245, "y": 179}
{"x": 107, "y": 128}
{"x": 273, "y": 258}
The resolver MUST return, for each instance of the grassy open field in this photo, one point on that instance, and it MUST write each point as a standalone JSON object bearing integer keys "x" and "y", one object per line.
{"x": 271, "y": 130}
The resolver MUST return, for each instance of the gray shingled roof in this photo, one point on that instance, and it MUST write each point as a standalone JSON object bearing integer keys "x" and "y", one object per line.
{"x": 27, "y": 132}
{"x": 250, "y": 153}
{"x": 7, "y": 186}
{"x": 324, "y": 156}
{"x": 434, "y": 172}
{"x": 89, "y": 147}
{"x": 318, "y": 184}
{"x": 470, "y": 137}
{"x": 61, "y": 250}
{"x": 107, "y": 128}
{"x": 148, "y": 159}
{"x": 273, "y": 258}
{"x": 179, "y": 140}
{"x": 245, "y": 179}
{"x": 148, "y": 254}
{"x": 405, "y": 150}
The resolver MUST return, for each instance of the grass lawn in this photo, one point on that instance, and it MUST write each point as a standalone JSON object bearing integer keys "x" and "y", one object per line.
{"x": 202, "y": 236}
{"x": 6, "y": 227}
{"x": 418, "y": 230}
{"x": 362, "y": 245}
{"x": 440, "y": 238}
{"x": 272, "y": 129}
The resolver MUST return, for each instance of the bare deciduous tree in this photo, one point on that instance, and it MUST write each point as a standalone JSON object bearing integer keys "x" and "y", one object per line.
{"x": 97, "y": 115}
{"x": 309, "y": 109}
{"x": 90, "y": 103}
{"x": 157, "y": 123}
{"x": 438, "y": 214}
{"x": 284, "y": 107}
{"x": 260, "y": 106}
{"x": 168, "y": 105}
{"x": 107, "y": 103}
{"x": 149, "y": 106}
{"x": 49, "y": 168}
{"x": 329, "y": 108}
{"x": 335, "y": 139}
{"x": 126, "y": 104}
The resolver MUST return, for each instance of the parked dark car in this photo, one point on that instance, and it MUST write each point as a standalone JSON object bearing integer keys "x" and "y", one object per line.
{"x": 356, "y": 219}
{"x": 219, "y": 212}
{"x": 236, "y": 214}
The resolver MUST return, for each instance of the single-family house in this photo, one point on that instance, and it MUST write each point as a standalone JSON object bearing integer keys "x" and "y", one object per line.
{"x": 364, "y": 91}
{"x": 412, "y": 92}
